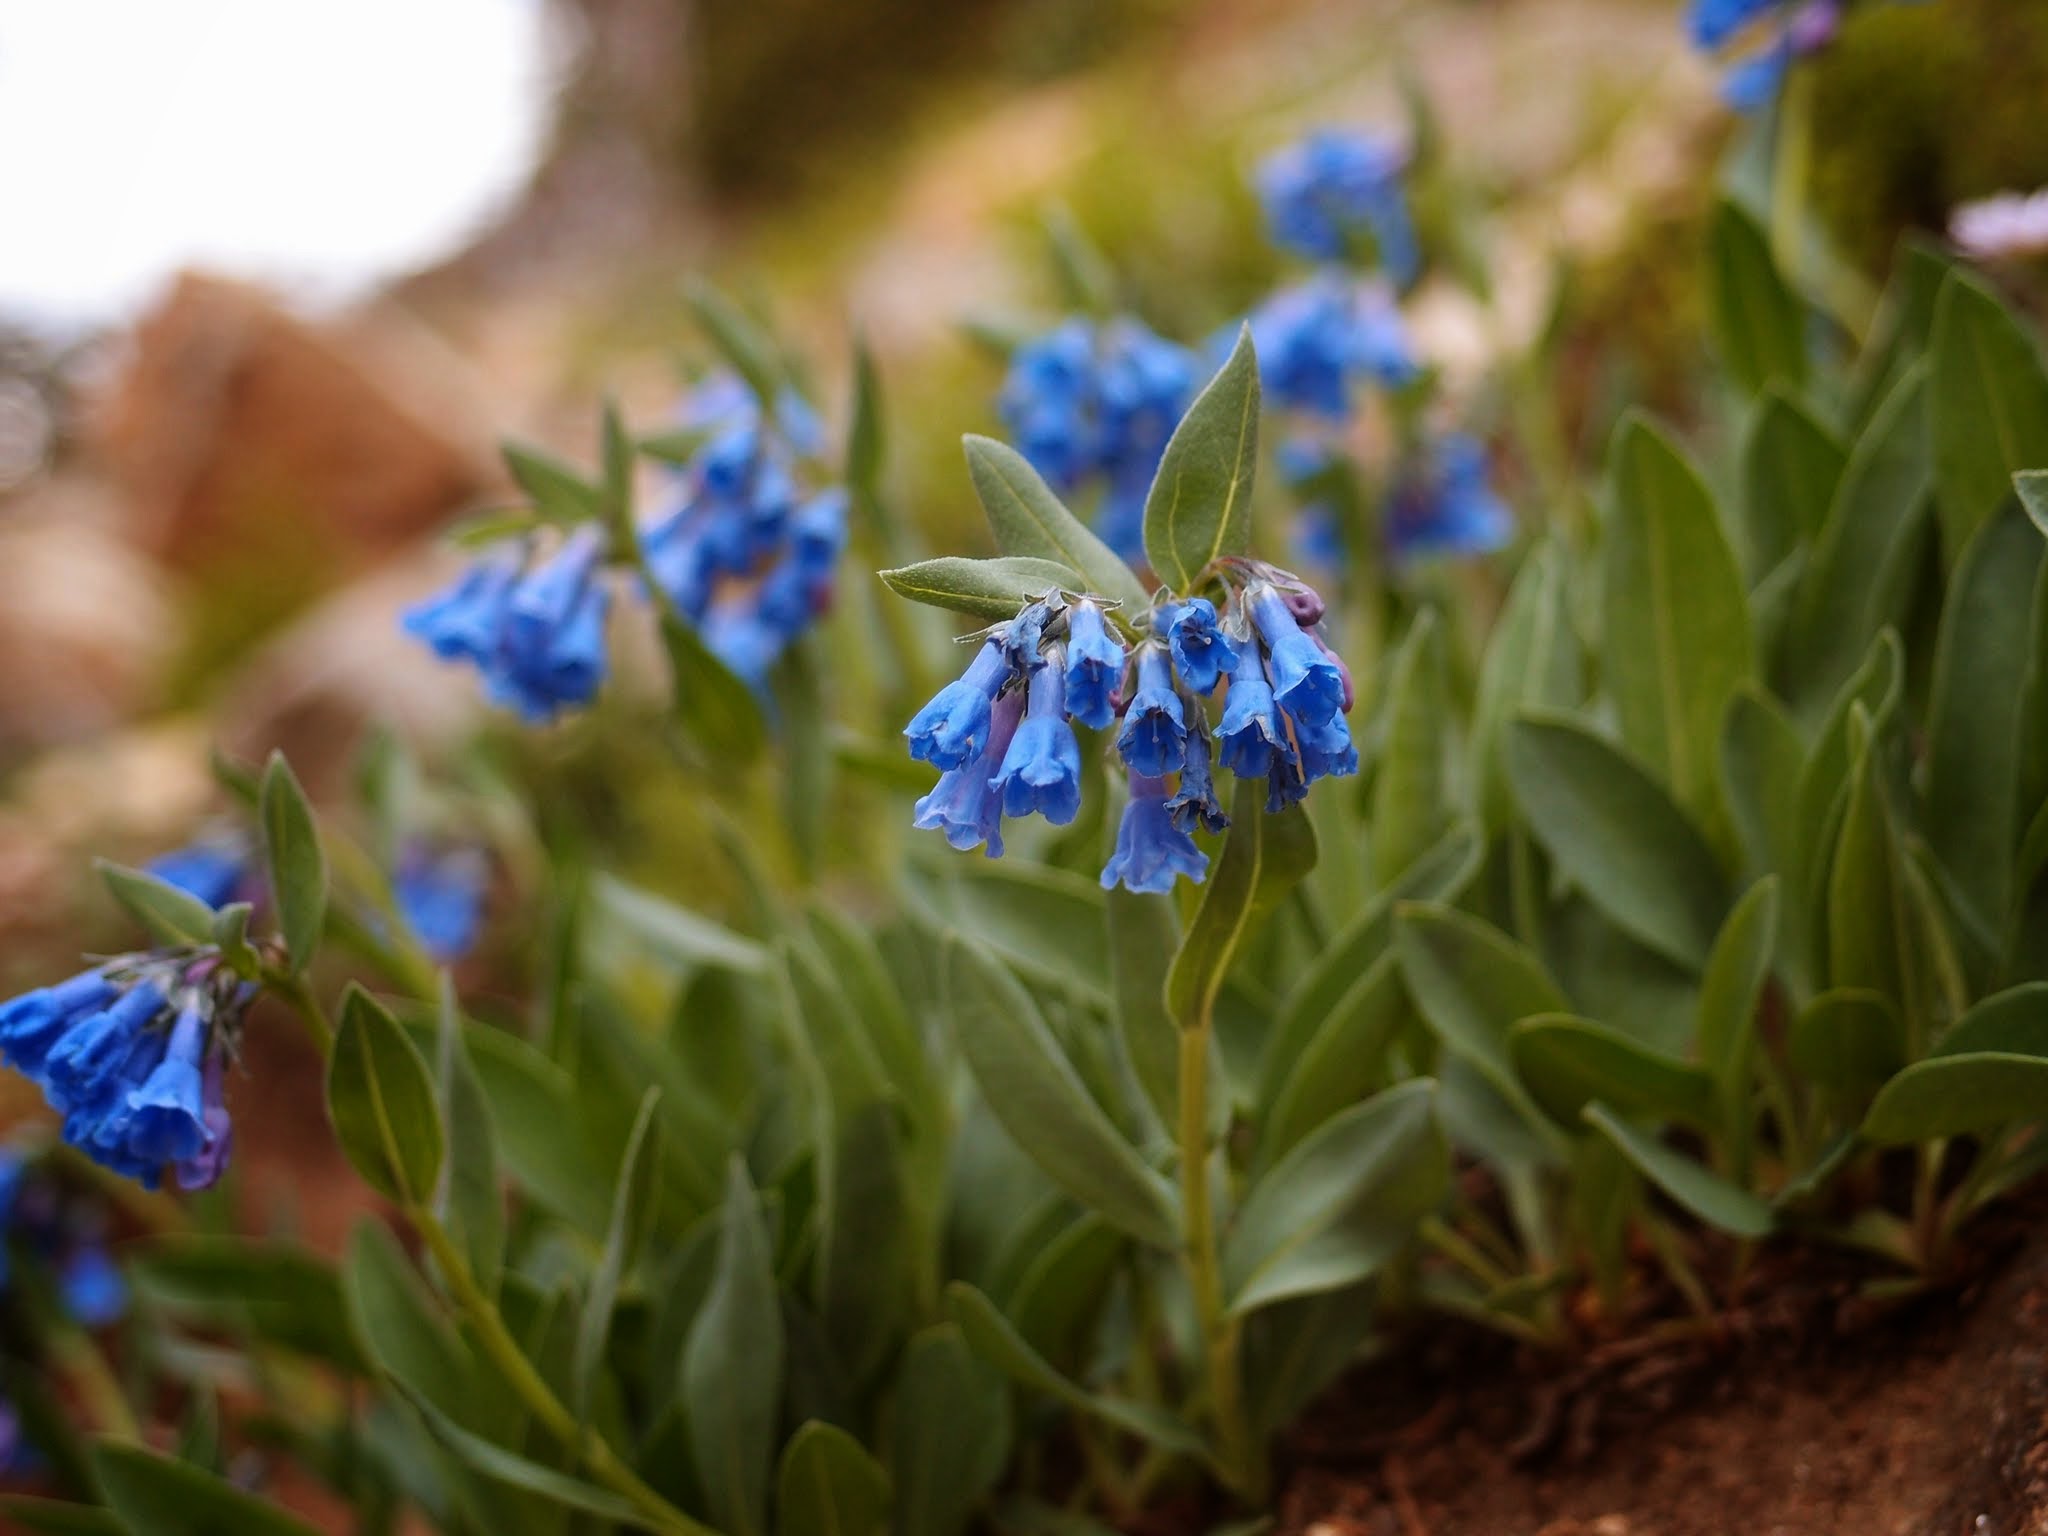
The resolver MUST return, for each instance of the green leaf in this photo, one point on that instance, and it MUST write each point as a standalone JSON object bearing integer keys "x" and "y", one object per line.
{"x": 1761, "y": 758}
{"x": 1758, "y": 322}
{"x": 402, "y": 1327}
{"x": 1904, "y": 323}
{"x": 1975, "y": 721}
{"x": 828, "y": 1485}
{"x": 1699, "y": 1190}
{"x": 1848, "y": 1038}
{"x": 1989, "y": 404}
{"x": 1732, "y": 987}
{"x": 732, "y": 1368}
{"x": 1532, "y": 660}
{"x": 380, "y": 1098}
{"x": 987, "y": 589}
{"x": 1341, "y": 1203}
{"x": 1569, "y": 1063}
{"x": 1341, "y": 1062}
{"x": 1028, "y": 520}
{"x": 632, "y": 1196}
{"x": 990, "y": 1335}
{"x": 1263, "y": 858}
{"x": 678, "y": 935}
{"x": 1618, "y": 836}
{"x": 171, "y": 915}
{"x": 156, "y": 1496}
{"x": 560, "y": 494}
{"x": 1965, "y": 1094}
{"x": 54, "y": 1517}
{"x": 949, "y": 1435}
{"x": 1410, "y": 797}
{"x": 1144, "y": 936}
{"x": 744, "y": 346}
{"x": 2031, "y": 485}
{"x": 273, "y": 1291}
{"x": 298, "y": 868}
{"x": 469, "y": 1202}
{"x": 2013, "y": 1022}
{"x": 716, "y": 709}
{"x": 1040, "y": 1100}
{"x": 1791, "y": 468}
{"x": 1865, "y": 561}
{"x": 1678, "y": 638}
{"x": 1087, "y": 281}
{"x": 1442, "y": 874}
{"x": 1048, "y": 923}
{"x": 1473, "y": 984}
{"x": 1200, "y": 506}
{"x": 866, "y": 430}
{"x": 1866, "y": 922}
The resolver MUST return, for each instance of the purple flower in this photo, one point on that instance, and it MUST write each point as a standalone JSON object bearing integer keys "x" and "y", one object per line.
{"x": 1151, "y": 852}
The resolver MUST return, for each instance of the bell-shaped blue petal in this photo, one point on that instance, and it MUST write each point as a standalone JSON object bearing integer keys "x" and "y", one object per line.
{"x": 1041, "y": 771}
{"x": 1155, "y": 732}
{"x": 1194, "y": 803}
{"x": 952, "y": 729}
{"x": 1202, "y": 653}
{"x": 204, "y": 1168}
{"x": 464, "y": 621}
{"x": 1151, "y": 852}
{"x": 1327, "y": 750}
{"x": 1252, "y": 730}
{"x": 966, "y": 805}
{"x": 441, "y": 898}
{"x": 1310, "y": 686}
{"x": 1323, "y": 192}
{"x": 35, "y": 1021}
{"x": 81, "y": 1068}
{"x": 167, "y": 1114}
{"x": 1095, "y": 666}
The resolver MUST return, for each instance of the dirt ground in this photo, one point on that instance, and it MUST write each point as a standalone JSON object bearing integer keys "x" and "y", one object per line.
{"x": 1931, "y": 1420}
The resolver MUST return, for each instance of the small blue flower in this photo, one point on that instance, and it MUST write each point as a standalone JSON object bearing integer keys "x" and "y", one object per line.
{"x": 1201, "y": 651}
{"x": 163, "y": 1120}
{"x": 1308, "y": 684}
{"x": 441, "y": 898}
{"x": 463, "y": 621}
{"x": 1252, "y": 730}
{"x": 1327, "y": 750}
{"x": 952, "y": 729}
{"x": 214, "y": 869}
{"x": 1319, "y": 335}
{"x": 31, "y": 1024}
{"x": 1447, "y": 505}
{"x": 1041, "y": 771}
{"x": 1048, "y": 399}
{"x": 1151, "y": 852}
{"x": 1095, "y": 666}
{"x": 1714, "y": 22}
{"x": 965, "y": 805}
{"x": 1194, "y": 803}
{"x": 80, "y": 1070}
{"x": 1321, "y": 193}
{"x": 1155, "y": 733}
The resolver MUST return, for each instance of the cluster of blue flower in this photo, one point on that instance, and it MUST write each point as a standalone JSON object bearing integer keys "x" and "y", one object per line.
{"x": 133, "y": 1054}
{"x": 1094, "y": 403}
{"x": 743, "y": 555}
{"x": 1331, "y": 194}
{"x": 1003, "y": 732}
{"x": 66, "y": 1237}
{"x": 1791, "y": 29}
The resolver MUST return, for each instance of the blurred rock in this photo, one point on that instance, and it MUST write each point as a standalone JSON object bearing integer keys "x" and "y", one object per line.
{"x": 86, "y": 624}
{"x": 236, "y": 426}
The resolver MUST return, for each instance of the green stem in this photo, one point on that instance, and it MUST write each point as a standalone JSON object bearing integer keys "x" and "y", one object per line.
{"x": 1239, "y": 1460}
{"x": 596, "y": 1454}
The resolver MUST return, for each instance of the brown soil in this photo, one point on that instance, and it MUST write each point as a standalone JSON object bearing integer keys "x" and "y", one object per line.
{"x": 1823, "y": 1419}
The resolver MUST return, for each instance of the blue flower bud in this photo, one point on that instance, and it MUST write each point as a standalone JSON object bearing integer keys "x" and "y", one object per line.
{"x": 966, "y": 805}
{"x": 1195, "y": 803}
{"x": 1155, "y": 733}
{"x": 1095, "y": 666}
{"x": 1309, "y": 686}
{"x": 1201, "y": 651}
{"x": 1151, "y": 852}
{"x": 1041, "y": 770}
{"x": 951, "y": 730}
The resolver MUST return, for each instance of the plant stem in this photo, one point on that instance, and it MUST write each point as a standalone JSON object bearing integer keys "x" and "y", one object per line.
{"x": 1239, "y": 1460}
{"x": 538, "y": 1397}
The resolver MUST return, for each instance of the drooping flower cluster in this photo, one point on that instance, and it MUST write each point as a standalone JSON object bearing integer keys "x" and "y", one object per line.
{"x": 530, "y": 617}
{"x": 744, "y": 553}
{"x": 1331, "y": 192}
{"x": 65, "y": 1237}
{"x": 1003, "y": 732}
{"x": 1323, "y": 340}
{"x": 1091, "y": 403}
{"x": 133, "y": 1054}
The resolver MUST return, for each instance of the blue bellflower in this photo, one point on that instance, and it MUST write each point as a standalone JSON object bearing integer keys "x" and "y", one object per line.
{"x": 1324, "y": 192}
{"x": 1151, "y": 851}
{"x": 1154, "y": 735}
{"x": 441, "y": 898}
{"x": 1041, "y": 770}
{"x": 1095, "y": 666}
{"x": 965, "y": 804}
{"x": 1307, "y": 682}
{"x": 1793, "y": 30}
{"x": 1252, "y": 730}
{"x": 1202, "y": 653}
{"x": 953, "y": 727}
{"x": 1447, "y": 505}
{"x": 1319, "y": 337}
{"x": 1194, "y": 803}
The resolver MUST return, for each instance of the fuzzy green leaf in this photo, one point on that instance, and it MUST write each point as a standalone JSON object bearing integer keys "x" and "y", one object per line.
{"x": 1200, "y": 506}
